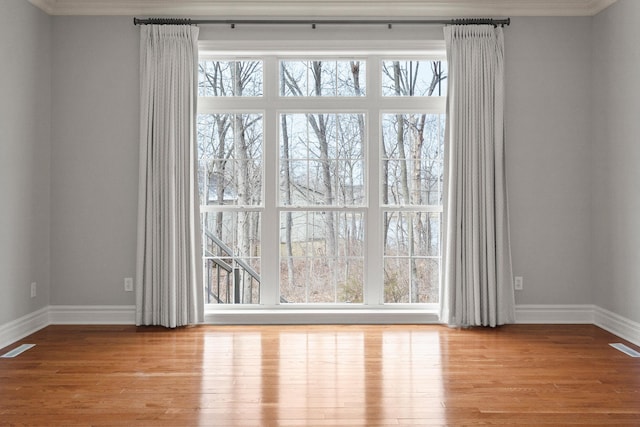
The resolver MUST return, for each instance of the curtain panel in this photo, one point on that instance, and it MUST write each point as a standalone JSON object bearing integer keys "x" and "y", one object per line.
{"x": 477, "y": 273}
{"x": 169, "y": 274}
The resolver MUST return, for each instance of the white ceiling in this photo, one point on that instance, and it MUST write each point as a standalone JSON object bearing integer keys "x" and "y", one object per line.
{"x": 325, "y": 8}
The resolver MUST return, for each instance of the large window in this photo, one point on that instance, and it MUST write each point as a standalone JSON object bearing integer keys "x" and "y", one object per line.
{"x": 321, "y": 178}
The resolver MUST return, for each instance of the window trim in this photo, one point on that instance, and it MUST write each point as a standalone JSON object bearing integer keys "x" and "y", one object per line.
{"x": 376, "y": 105}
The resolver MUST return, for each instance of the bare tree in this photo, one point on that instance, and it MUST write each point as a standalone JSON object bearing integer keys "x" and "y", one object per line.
{"x": 410, "y": 131}
{"x": 231, "y": 143}
{"x": 335, "y": 136}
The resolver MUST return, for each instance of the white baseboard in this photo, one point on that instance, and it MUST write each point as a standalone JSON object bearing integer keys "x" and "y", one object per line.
{"x": 580, "y": 314}
{"x": 25, "y": 325}
{"x": 555, "y": 314}
{"x": 92, "y": 314}
{"x": 621, "y": 326}
{"x": 125, "y": 315}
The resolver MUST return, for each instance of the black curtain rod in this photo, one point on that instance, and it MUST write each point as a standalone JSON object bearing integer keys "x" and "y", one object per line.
{"x": 314, "y": 22}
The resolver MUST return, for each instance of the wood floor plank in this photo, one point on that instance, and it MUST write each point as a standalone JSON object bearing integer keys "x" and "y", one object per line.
{"x": 336, "y": 375}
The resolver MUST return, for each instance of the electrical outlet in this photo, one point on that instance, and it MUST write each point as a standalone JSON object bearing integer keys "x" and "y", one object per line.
{"x": 128, "y": 284}
{"x": 517, "y": 283}
{"x": 34, "y": 289}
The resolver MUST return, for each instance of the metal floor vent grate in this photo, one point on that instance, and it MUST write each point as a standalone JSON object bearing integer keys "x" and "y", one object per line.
{"x": 17, "y": 351}
{"x": 625, "y": 349}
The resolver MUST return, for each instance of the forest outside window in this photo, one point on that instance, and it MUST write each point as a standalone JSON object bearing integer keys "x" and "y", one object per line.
{"x": 343, "y": 156}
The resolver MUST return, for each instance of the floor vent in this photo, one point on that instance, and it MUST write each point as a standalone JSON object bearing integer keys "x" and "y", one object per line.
{"x": 17, "y": 351}
{"x": 625, "y": 349}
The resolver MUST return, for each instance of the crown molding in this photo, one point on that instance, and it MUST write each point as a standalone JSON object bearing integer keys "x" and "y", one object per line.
{"x": 324, "y": 8}
{"x": 597, "y": 6}
{"x": 47, "y": 6}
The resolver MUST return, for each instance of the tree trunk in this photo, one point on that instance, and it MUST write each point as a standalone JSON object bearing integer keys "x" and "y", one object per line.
{"x": 286, "y": 171}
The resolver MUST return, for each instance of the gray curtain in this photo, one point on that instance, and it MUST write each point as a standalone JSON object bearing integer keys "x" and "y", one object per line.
{"x": 169, "y": 274}
{"x": 477, "y": 274}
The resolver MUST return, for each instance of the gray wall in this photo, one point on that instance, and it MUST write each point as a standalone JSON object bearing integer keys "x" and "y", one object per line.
{"x": 25, "y": 121}
{"x": 548, "y": 157}
{"x": 564, "y": 182}
{"x": 616, "y": 159}
{"x": 94, "y": 161}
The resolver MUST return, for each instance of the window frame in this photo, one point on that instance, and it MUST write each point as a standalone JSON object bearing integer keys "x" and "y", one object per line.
{"x": 271, "y": 104}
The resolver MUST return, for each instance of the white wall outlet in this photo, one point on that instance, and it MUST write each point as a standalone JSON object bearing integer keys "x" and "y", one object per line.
{"x": 128, "y": 284}
{"x": 34, "y": 289}
{"x": 517, "y": 283}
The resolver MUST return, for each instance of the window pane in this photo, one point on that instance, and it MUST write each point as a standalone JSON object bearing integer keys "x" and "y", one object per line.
{"x": 323, "y": 78}
{"x": 230, "y": 159}
{"x": 411, "y": 256}
{"x": 322, "y": 159}
{"x": 231, "y": 243}
{"x": 411, "y": 234}
{"x": 321, "y": 257}
{"x": 229, "y": 78}
{"x": 397, "y": 280}
{"x": 414, "y": 78}
{"x": 412, "y": 159}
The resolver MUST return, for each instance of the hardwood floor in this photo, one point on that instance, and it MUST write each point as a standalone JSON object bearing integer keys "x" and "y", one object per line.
{"x": 320, "y": 376}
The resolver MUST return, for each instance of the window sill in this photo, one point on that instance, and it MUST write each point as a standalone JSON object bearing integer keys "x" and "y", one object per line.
{"x": 315, "y": 316}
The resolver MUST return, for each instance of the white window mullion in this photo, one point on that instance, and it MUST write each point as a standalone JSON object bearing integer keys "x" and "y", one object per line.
{"x": 270, "y": 234}
{"x": 374, "y": 271}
